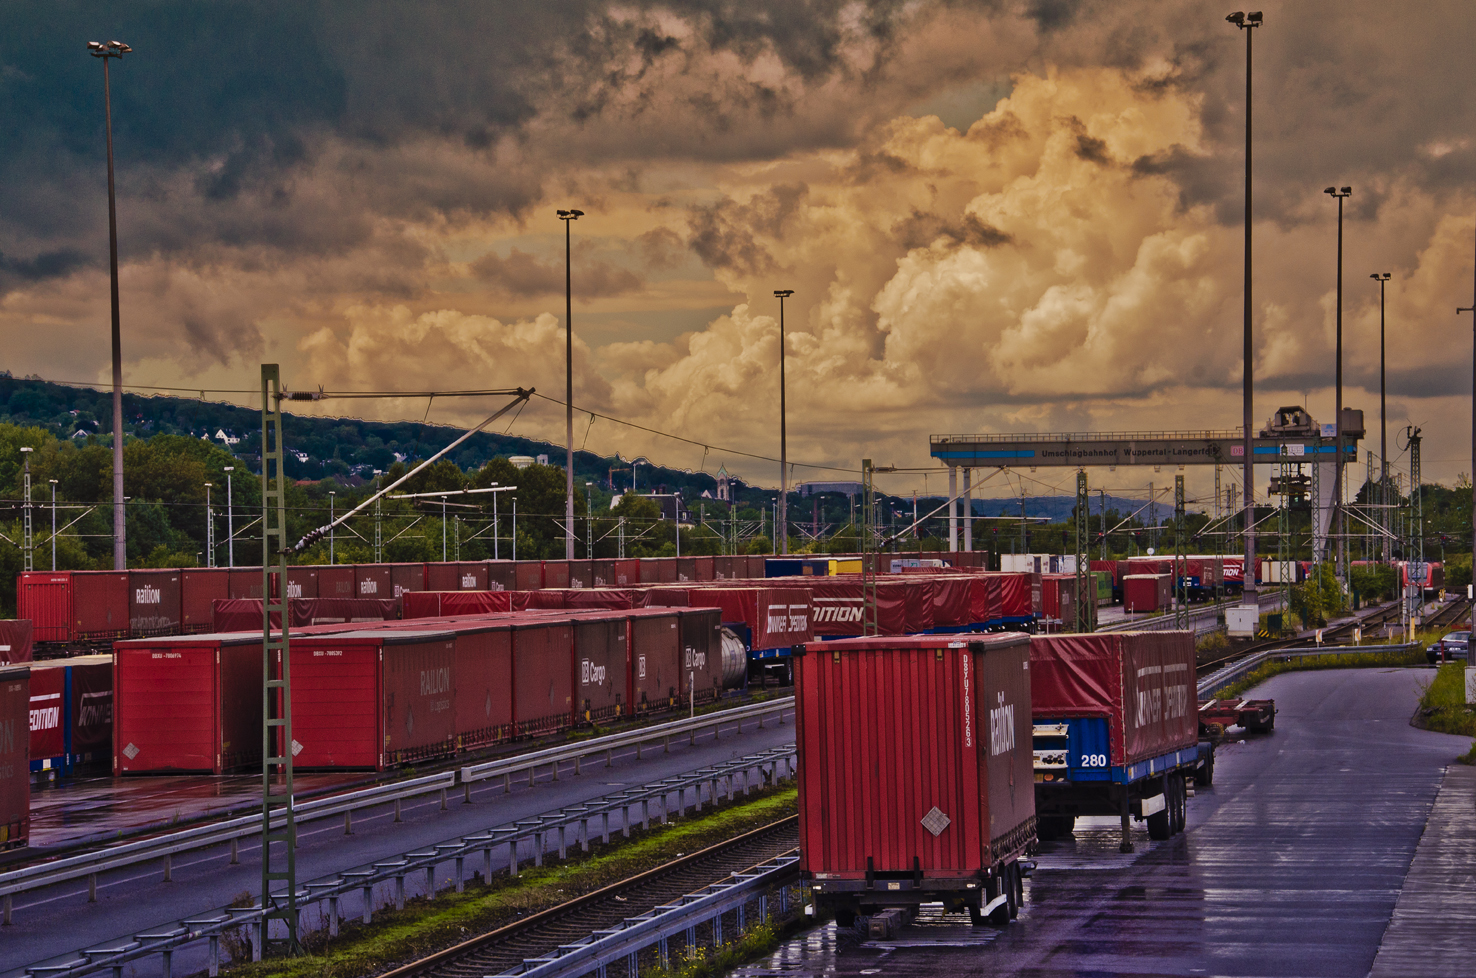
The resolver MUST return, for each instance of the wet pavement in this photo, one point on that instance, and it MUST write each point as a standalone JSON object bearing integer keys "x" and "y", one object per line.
{"x": 1291, "y": 864}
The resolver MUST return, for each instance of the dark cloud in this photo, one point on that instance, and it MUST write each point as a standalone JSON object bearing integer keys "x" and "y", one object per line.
{"x": 47, "y": 265}
{"x": 920, "y": 230}
{"x": 724, "y": 234}
{"x": 523, "y": 275}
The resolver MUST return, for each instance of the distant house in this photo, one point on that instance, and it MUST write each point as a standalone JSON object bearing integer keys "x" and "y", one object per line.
{"x": 300, "y": 456}
{"x": 723, "y": 492}
{"x": 225, "y": 439}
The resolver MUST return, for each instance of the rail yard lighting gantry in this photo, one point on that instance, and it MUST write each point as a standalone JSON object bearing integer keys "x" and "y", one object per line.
{"x": 53, "y": 523}
{"x": 568, "y": 217}
{"x": 1382, "y": 278}
{"x": 1340, "y": 194}
{"x": 781, "y": 524}
{"x": 107, "y": 52}
{"x": 230, "y": 523}
{"x": 1245, "y": 22}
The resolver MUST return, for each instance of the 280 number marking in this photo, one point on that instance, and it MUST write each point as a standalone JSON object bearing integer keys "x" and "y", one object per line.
{"x": 1094, "y": 760}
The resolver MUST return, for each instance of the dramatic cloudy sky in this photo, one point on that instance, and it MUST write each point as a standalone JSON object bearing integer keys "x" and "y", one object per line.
{"x": 996, "y": 216}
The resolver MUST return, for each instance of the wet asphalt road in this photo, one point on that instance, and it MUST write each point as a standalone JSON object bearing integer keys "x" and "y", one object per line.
{"x": 1290, "y": 866}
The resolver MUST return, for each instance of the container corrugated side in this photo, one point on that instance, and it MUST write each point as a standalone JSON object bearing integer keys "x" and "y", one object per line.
{"x": 15, "y": 773}
{"x": 702, "y": 661}
{"x": 418, "y": 684}
{"x": 153, "y": 602}
{"x": 484, "y": 685}
{"x": 600, "y": 664}
{"x": 543, "y": 676}
{"x": 99, "y": 604}
{"x": 199, "y": 588}
{"x": 46, "y": 600}
{"x": 656, "y": 659}
{"x": 373, "y": 581}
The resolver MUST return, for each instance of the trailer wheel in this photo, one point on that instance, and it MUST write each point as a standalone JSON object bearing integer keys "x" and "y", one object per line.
{"x": 1160, "y": 824}
{"x": 1262, "y": 728}
{"x": 1179, "y": 804}
{"x": 1016, "y": 883}
{"x": 1205, "y": 773}
{"x": 976, "y": 915}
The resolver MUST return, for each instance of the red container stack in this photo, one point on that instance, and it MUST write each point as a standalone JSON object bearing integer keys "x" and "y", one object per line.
{"x": 1146, "y": 592}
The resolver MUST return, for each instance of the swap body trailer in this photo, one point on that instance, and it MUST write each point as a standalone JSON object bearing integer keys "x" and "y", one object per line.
{"x": 1116, "y": 730}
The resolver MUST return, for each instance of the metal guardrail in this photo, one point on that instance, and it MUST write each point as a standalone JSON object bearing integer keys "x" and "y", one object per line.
{"x": 165, "y": 939}
{"x": 576, "y": 752}
{"x": 1221, "y": 678}
{"x": 165, "y": 847}
{"x": 626, "y": 940}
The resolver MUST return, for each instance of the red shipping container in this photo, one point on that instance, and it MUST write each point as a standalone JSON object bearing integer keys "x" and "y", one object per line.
{"x": 45, "y": 600}
{"x": 601, "y": 664}
{"x": 543, "y": 676}
{"x": 187, "y": 703}
{"x": 1142, "y": 682}
{"x": 706, "y": 568}
{"x": 406, "y": 578}
{"x": 666, "y": 570}
{"x": 602, "y": 573}
{"x": 1108, "y": 567}
{"x": 502, "y": 575}
{"x": 775, "y": 617}
{"x": 556, "y": 573}
{"x": 722, "y": 568}
{"x": 650, "y": 570}
{"x": 918, "y": 605}
{"x": 333, "y": 582}
{"x": 915, "y": 757}
{"x": 655, "y": 645}
{"x": 245, "y": 582}
{"x": 153, "y": 602}
{"x": 243, "y": 614}
{"x": 15, "y": 641}
{"x": 484, "y": 683}
{"x": 198, "y": 590}
{"x": 627, "y": 573}
{"x": 664, "y": 597}
{"x": 373, "y": 581}
{"x": 373, "y": 698}
{"x": 686, "y": 569}
{"x": 15, "y": 761}
{"x": 952, "y": 602}
{"x": 473, "y": 575}
{"x": 439, "y": 604}
{"x": 302, "y": 582}
{"x": 702, "y": 654}
{"x": 986, "y": 599}
{"x": 529, "y": 575}
{"x": 100, "y": 604}
{"x": 48, "y": 710}
{"x": 581, "y": 574}
{"x": 1146, "y": 592}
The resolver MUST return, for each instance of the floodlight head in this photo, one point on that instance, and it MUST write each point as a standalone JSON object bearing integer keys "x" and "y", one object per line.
{"x": 1380, "y": 276}
{"x": 577, "y": 213}
{"x": 94, "y": 45}
{"x": 1254, "y": 19}
{"x": 784, "y": 293}
{"x": 1237, "y": 18}
{"x": 1346, "y": 191}
{"x": 1331, "y": 190}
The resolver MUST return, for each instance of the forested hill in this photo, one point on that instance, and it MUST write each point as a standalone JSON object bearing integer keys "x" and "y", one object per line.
{"x": 348, "y": 448}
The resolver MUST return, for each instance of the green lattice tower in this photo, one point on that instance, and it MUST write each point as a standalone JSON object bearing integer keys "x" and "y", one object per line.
{"x": 1181, "y": 612}
{"x": 278, "y": 819}
{"x": 1416, "y": 499}
{"x": 1083, "y": 531}
{"x": 870, "y": 556}
{"x": 1283, "y": 525}
{"x": 28, "y": 544}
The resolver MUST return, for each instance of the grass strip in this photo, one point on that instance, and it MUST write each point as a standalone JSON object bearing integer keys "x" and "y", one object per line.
{"x": 426, "y": 926}
{"x": 1443, "y": 704}
{"x": 758, "y": 942}
{"x": 1363, "y": 660}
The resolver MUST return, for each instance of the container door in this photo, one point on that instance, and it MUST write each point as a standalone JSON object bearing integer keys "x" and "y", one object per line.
{"x": 418, "y": 684}
{"x": 335, "y": 704}
{"x": 46, "y": 600}
{"x": 165, "y": 703}
{"x": 483, "y": 695}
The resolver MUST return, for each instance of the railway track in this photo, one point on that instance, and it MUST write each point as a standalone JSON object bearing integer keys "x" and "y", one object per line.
{"x": 508, "y": 946}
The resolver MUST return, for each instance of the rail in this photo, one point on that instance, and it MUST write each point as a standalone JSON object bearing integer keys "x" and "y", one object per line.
{"x": 553, "y": 757}
{"x": 626, "y": 940}
{"x": 1235, "y": 671}
{"x": 773, "y": 765}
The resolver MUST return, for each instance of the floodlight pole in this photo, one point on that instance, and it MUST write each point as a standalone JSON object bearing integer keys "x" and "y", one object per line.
{"x": 781, "y": 526}
{"x": 569, "y": 216}
{"x": 1341, "y": 523}
{"x": 1248, "y": 577}
{"x": 1471, "y": 309}
{"x": 1382, "y": 278}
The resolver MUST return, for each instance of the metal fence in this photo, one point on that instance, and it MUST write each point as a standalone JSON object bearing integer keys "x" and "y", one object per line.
{"x": 1222, "y": 678}
{"x": 502, "y": 846}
